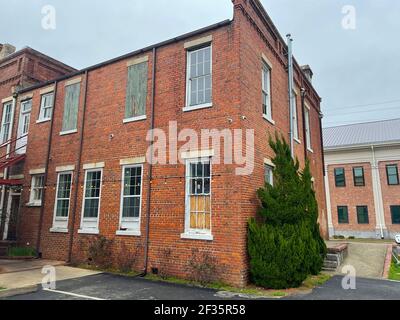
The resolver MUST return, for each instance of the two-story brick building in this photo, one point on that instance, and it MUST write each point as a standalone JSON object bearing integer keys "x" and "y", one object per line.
{"x": 362, "y": 179}
{"x": 18, "y": 70}
{"x": 88, "y": 170}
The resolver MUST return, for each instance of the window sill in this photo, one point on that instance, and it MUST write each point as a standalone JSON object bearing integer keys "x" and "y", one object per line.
{"x": 134, "y": 119}
{"x": 297, "y": 140}
{"x": 59, "y": 230}
{"x": 132, "y": 233}
{"x": 310, "y": 150}
{"x": 197, "y": 236}
{"x": 43, "y": 120}
{"x": 33, "y": 204}
{"x": 269, "y": 119}
{"x": 88, "y": 231}
{"x": 64, "y": 133}
{"x": 198, "y": 107}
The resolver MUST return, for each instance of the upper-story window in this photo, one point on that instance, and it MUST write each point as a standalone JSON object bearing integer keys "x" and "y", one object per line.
{"x": 340, "y": 177}
{"x": 308, "y": 128}
{"x": 199, "y": 78}
{"x": 266, "y": 92}
{"x": 46, "y": 106}
{"x": 295, "y": 118}
{"x": 6, "y": 122}
{"x": 71, "y": 106}
{"x": 358, "y": 175}
{"x": 136, "y": 92}
{"x": 392, "y": 172}
{"x": 269, "y": 174}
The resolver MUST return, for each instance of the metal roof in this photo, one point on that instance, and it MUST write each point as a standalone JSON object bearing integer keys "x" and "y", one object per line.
{"x": 379, "y": 132}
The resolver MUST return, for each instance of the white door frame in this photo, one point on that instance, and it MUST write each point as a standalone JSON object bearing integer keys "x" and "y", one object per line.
{"x": 8, "y": 212}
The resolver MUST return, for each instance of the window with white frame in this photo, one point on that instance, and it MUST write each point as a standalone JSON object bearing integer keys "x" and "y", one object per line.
{"x": 266, "y": 91}
{"x": 199, "y": 77}
{"x": 131, "y": 196}
{"x": 37, "y": 186}
{"x": 269, "y": 174}
{"x": 6, "y": 122}
{"x": 198, "y": 196}
{"x": 71, "y": 106}
{"x": 91, "y": 200}
{"x": 63, "y": 194}
{"x": 46, "y": 106}
{"x": 295, "y": 119}
{"x": 308, "y": 128}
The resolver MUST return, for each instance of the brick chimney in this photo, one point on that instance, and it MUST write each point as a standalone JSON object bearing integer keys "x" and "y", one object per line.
{"x": 308, "y": 72}
{"x": 5, "y": 50}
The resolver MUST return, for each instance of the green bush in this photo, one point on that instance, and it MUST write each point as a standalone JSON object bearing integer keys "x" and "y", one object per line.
{"x": 21, "y": 252}
{"x": 285, "y": 245}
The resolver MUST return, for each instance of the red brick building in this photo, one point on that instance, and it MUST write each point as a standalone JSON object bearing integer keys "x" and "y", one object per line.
{"x": 362, "y": 179}
{"x": 18, "y": 70}
{"x": 88, "y": 171}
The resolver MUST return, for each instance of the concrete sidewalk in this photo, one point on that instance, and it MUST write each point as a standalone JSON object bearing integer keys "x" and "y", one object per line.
{"x": 19, "y": 277}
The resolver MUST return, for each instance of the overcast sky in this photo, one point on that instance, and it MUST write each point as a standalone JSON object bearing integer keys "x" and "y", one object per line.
{"x": 356, "y": 72}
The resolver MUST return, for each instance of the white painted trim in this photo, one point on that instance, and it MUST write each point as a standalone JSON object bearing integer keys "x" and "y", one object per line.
{"x": 268, "y": 162}
{"x": 132, "y": 161}
{"x": 198, "y": 42}
{"x": 59, "y": 230}
{"x": 135, "y": 119}
{"x": 73, "y": 81}
{"x": 310, "y": 150}
{"x": 197, "y": 107}
{"x": 331, "y": 228}
{"x": 47, "y": 90}
{"x": 297, "y": 140}
{"x": 269, "y": 119}
{"x": 97, "y": 165}
{"x": 33, "y": 204}
{"x": 8, "y": 99}
{"x": 43, "y": 120}
{"x": 17, "y": 177}
{"x": 132, "y": 233}
{"x": 26, "y": 97}
{"x": 194, "y": 236}
{"x": 62, "y": 219}
{"x": 37, "y": 171}
{"x": 197, "y": 154}
{"x": 88, "y": 231}
{"x": 135, "y": 61}
{"x": 64, "y": 133}
{"x": 65, "y": 168}
{"x": 266, "y": 60}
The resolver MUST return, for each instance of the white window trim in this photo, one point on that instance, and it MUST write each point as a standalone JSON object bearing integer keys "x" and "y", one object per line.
{"x": 135, "y": 119}
{"x": 266, "y": 63}
{"x": 189, "y": 233}
{"x": 187, "y": 106}
{"x": 130, "y": 232}
{"x": 84, "y": 229}
{"x": 41, "y": 109}
{"x": 307, "y": 111}
{"x": 35, "y": 203}
{"x": 64, "y": 133}
{"x": 61, "y": 219}
{"x": 296, "y": 136}
{"x": 10, "y": 124}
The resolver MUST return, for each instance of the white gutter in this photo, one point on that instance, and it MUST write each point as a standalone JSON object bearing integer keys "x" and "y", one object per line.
{"x": 291, "y": 96}
{"x": 377, "y": 192}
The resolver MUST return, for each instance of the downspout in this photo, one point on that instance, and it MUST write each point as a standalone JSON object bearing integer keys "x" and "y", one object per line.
{"x": 45, "y": 178}
{"x": 303, "y": 96}
{"x": 291, "y": 97}
{"x": 78, "y": 170}
{"x": 376, "y": 176}
{"x": 147, "y": 234}
{"x": 321, "y": 116}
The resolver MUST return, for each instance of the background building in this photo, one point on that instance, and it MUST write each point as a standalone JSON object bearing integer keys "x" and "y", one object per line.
{"x": 362, "y": 179}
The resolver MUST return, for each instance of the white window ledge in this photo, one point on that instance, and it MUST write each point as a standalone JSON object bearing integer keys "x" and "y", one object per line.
{"x": 269, "y": 119}
{"x": 133, "y": 233}
{"x": 310, "y": 150}
{"x": 88, "y": 231}
{"x": 198, "y": 107}
{"x": 34, "y": 204}
{"x": 134, "y": 119}
{"x": 64, "y": 133}
{"x": 197, "y": 236}
{"x": 59, "y": 230}
{"x": 43, "y": 120}
{"x": 297, "y": 140}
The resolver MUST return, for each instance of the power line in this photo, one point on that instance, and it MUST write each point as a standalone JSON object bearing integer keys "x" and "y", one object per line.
{"x": 364, "y": 105}
{"x": 362, "y": 111}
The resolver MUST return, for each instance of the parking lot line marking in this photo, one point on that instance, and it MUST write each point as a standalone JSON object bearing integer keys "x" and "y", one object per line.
{"x": 72, "y": 294}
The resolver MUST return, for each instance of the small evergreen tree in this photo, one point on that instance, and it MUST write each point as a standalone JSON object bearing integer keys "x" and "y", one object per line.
{"x": 285, "y": 246}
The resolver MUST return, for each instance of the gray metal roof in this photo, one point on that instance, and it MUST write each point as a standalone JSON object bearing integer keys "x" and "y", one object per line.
{"x": 362, "y": 134}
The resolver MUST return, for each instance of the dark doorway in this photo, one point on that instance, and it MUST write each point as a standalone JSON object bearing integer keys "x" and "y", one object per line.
{"x": 12, "y": 225}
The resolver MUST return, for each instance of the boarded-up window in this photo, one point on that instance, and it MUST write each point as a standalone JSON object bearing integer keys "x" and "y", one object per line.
{"x": 198, "y": 183}
{"x": 136, "y": 91}
{"x": 71, "y": 105}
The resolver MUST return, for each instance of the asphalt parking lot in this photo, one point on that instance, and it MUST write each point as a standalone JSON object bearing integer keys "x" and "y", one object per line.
{"x": 114, "y": 287}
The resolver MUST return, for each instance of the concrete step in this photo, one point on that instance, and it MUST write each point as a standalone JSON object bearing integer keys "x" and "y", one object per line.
{"x": 331, "y": 264}
{"x": 332, "y": 257}
{"x": 3, "y": 251}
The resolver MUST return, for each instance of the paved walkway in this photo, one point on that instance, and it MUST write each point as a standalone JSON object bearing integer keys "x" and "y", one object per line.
{"x": 367, "y": 258}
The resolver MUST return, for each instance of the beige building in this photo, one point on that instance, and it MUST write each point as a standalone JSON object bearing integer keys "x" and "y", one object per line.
{"x": 362, "y": 179}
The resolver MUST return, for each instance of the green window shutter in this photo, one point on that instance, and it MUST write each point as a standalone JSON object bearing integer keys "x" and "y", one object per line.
{"x": 71, "y": 105}
{"x": 136, "y": 91}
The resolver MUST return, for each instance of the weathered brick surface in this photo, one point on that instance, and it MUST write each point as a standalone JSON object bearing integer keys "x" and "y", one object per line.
{"x": 237, "y": 49}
